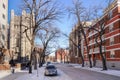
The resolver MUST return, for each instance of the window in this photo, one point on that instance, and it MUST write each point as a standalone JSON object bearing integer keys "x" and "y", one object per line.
{"x": 112, "y": 54}
{"x": 3, "y": 26}
{"x": 110, "y": 14}
{"x": 3, "y": 16}
{"x": 111, "y": 40}
{"x": 111, "y": 28}
{"x": 3, "y": 37}
{"x": 6, "y": 58}
{"x": 3, "y": 5}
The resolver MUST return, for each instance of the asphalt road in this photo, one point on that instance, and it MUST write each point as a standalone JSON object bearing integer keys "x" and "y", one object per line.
{"x": 80, "y": 74}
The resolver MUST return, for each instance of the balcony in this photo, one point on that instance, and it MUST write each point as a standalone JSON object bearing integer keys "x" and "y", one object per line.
{"x": 96, "y": 50}
{"x": 91, "y": 51}
{"x": 92, "y": 33}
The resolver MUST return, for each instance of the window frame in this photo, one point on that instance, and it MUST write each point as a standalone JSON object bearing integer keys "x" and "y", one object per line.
{"x": 3, "y": 16}
{"x": 112, "y": 40}
{"x": 3, "y": 6}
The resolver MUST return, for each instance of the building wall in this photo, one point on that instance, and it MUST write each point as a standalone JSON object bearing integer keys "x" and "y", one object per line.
{"x": 19, "y": 43}
{"x": 62, "y": 55}
{"x": 74, "y": 42}
{"x": 111, "y": 47}
{"x": 3, "y": 22}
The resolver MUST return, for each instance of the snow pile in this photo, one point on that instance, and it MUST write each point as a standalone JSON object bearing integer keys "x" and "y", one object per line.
{"x": 4, "y": 73}
{"x": 39, "y": 75}
{"x": 110, "y": 72}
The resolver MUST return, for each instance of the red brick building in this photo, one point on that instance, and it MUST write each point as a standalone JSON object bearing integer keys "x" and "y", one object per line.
{"x": 111, "y": 47}
{"x": 62, "y": 55}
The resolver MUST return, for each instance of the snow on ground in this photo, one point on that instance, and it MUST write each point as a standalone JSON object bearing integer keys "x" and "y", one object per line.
{"x": 109, "y": 71}
{"x": 39, "y": 75}
{"x": 4, "y": 73}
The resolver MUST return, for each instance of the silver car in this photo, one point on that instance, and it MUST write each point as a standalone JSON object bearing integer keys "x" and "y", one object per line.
{"x": 50, "y": 70}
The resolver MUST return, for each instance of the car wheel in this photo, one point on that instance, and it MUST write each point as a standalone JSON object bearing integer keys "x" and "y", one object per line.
{"x": 56, "y": 74}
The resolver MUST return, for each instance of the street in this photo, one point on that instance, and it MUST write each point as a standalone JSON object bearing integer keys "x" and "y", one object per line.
{"x": 65, "y": 72}
{"x": 79, "y": 74}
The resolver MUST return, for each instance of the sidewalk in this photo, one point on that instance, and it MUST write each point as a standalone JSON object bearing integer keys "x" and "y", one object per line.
{"x": 4, "y": 73}
{"x": 109, "y": 71}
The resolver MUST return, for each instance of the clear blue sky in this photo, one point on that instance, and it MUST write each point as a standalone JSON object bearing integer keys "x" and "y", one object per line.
{"x": 66, "y": 24}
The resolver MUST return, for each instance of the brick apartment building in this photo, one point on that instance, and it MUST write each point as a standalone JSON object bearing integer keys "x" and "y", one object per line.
{"x": 111, "y": 47}
{"x": 62, "y": 55}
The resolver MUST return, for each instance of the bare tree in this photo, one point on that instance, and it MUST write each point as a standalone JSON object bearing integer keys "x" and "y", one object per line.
{"x": 99, "y": 37}
{"x": 41, "y": 13}
{"x": 82, "y": 16}
{"x": 75, "y": 43}
{"x": 48, "y": 39}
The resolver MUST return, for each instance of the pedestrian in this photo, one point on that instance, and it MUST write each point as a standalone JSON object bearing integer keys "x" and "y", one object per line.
{"x": 12, "y": 65}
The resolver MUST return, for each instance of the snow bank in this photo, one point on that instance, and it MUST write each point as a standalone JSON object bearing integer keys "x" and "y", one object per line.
{"x": 4, "y": 73}
{"x": 110, "y": 72}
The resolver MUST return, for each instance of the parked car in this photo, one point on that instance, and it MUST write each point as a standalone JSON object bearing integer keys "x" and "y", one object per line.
{"x": 50, "y": 70}
{"x": 46, "y": 64}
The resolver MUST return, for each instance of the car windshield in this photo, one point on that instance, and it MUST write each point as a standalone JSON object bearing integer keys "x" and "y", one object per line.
{"x": 50, "y": 67}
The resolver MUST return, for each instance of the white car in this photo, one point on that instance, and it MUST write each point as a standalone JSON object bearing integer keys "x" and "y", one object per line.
{"x": 50, "y": 70}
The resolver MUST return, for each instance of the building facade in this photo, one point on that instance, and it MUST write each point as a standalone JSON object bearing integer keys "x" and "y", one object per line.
{"x": 3, "y": 23}
{"x": 111, "y": 38}
{"x": 74, "y": 43}
{"x": 19, "y": 43}
{"x": 4, "y": 52}
{"x": 111, "y": 47}
{"x": 62, "y": 55}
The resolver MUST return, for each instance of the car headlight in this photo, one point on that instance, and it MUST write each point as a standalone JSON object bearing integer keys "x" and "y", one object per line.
{"x": 55, "y": 70}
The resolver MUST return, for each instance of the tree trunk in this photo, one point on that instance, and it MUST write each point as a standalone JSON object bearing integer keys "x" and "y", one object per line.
{"x": 61, "y": 56}
{"x": 82, "y": 59}
{"x": 94, "y": 60}
{"x": 30, "y": 64}
{"x": 103, "y": 58}
{"x": 35, "y": 62}
{"x": 43, "y": 60}
{"x": 89, "y": 56}
{"x": 40, "y": 60}
{"x": 31, "y": 56}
